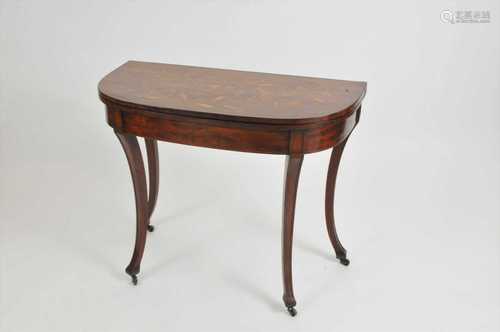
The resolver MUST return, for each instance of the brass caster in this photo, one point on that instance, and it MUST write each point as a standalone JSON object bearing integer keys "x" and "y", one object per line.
{"x": 344, "y": 261}
{"x": 292, "y": 311}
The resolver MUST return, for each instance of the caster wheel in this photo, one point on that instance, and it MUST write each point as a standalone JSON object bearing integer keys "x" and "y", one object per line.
{"x": 344, "y": 261}
{"x": 292, "y": 311}
{"x": 151, "y": 228}
{"x": 134, "y": 279}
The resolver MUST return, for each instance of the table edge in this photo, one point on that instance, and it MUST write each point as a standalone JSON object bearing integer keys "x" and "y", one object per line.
{"x": 344, "y": 113}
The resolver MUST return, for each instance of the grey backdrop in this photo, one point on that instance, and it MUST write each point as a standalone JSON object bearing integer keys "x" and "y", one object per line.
{"x": 417, "y": 197}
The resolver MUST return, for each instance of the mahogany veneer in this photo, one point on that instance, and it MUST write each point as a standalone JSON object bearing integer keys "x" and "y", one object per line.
{"x": 230, "y": 110}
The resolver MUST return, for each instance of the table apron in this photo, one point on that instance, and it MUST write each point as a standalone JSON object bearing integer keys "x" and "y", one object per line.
{"x": 228, "y": 135}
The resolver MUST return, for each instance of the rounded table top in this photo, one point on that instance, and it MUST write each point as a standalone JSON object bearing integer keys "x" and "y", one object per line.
{"x": 230, "y": 95}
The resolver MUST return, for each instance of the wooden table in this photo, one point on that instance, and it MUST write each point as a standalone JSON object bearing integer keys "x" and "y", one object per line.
{"x": 230, "y": 110}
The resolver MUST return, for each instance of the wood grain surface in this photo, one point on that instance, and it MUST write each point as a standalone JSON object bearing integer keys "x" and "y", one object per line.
{"x": 230, "y": 94}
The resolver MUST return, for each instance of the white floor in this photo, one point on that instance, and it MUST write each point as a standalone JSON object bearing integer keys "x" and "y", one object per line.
{"x": 420, "y": 261}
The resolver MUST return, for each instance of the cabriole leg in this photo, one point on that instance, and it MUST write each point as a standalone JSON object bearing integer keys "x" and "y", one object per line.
{"x": 333, "y": 168}
{"x": 154, "y": 178}
{"x": 292, "y": 172}
{"x": 136, "y": 165}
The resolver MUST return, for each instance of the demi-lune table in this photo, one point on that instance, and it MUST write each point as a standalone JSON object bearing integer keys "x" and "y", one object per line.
{"x": 230, "y": 110}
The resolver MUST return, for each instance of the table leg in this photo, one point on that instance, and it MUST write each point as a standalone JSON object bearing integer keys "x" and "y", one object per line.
{"x": 154, "y": 178}
{"x": 292, "y": 172}
{"x": 333, "y": 168}
{"x": 136, "y": 165}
